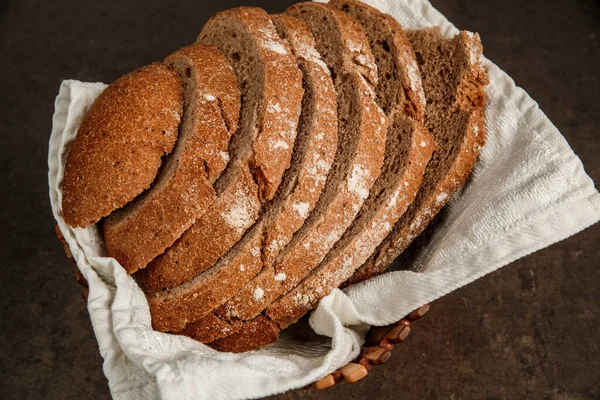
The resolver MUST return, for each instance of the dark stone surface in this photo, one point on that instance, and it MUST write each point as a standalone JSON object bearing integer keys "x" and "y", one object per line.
{"x": 529, "y": 330}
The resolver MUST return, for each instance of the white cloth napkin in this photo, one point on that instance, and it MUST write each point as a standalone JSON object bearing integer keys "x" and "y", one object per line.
{"x": 529, "y": 190}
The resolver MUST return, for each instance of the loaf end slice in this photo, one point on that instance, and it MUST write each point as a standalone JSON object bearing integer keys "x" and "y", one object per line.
{"x": 115, "y": 157}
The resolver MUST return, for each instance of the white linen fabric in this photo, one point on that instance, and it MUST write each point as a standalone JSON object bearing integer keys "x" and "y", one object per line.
{"x": 528, "y": 190}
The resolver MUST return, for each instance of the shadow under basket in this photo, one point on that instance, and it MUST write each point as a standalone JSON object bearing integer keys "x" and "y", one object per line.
{"x": 377, "y": 348}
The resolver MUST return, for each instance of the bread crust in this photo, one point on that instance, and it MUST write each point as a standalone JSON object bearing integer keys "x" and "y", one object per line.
{"x": 230, "y": 215}
{"x": 281, "y": 89}
{"x": 114, "y": 158}
{"x": 183, "y": 190}
{"x": 259, "y": 332}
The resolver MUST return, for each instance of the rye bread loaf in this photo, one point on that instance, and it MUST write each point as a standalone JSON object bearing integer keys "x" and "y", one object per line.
{"x": 114, "y": 158}
{"x": 362, "y": 127}
{"x": 454, "y": 78}
{"x": 271, "y": 86}
{"x": 408, "y": 149}
{"x": 183, "y": 190}
{"x": 314, "y": 151}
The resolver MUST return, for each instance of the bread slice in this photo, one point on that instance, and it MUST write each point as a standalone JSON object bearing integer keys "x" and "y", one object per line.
{"x": 114, "y": 158}
{"x": 314, "y": 152}
{"x": 230, "y": 215}
{"x": 257, "y": 333}
{"x": 408, "y": 149}
{"x": 183, "y": 191}
{"x": 315, "y": 148}
{"x": 362, "y": 127}
{"x": 270, "y": 80}
{"x": 454, "y": 78}
{"x": 173, "y": 308}
{"x": 271, "y": 86}
{"x": 210, "y": 328}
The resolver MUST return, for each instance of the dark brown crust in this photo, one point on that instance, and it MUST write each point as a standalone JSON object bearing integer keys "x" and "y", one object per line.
{"x": 257, "y": 333}
{"x": 468, "y": 104}
{"x": 114, "y": 158}
{"x": 211, "y": 328}
{"x": 183, "y": 190}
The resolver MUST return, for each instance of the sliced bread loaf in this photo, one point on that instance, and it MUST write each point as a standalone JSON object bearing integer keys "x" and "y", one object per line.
{"x": 271, "y": 87}
{"x": 114, "y": 158}
{"x": 362, "y": 127}
{"x": 314, "y": 151}
{"x": 408, "y": 149}
{"x": 454, "y": 78}
{"x": 183, "y": 191}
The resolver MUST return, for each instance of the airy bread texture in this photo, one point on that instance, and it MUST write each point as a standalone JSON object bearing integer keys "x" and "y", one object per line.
{"x": 454, "y": 78}
{"x": 183, "y": 190}
{"x": 260, "y": 150}
{"x": 114, "y": 158}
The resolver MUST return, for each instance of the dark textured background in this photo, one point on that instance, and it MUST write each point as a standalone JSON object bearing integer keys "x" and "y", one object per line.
{"x": 529, "y": 330}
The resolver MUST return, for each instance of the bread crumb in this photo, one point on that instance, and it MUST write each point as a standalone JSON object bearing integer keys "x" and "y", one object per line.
{"x": 440, "y": 198}
{"x": 357, "y": 182}
{"x": 301, "y": 208}
{"x": 278, "y": 144}
{"x": 258, "y": 293}
{"x": 280, "y": 277}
